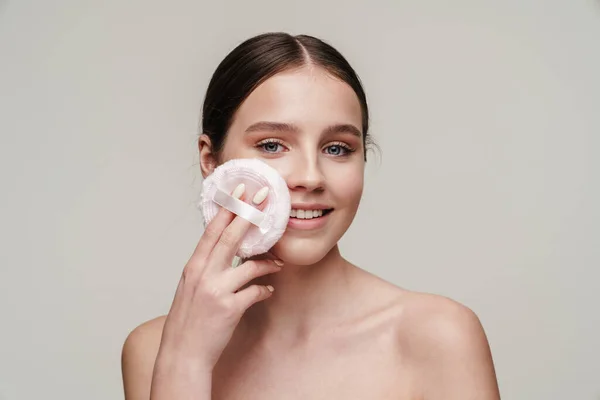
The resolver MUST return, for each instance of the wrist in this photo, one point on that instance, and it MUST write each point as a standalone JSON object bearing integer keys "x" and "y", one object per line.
{"x": 181, "y": 379}
{"x": 182, "y": 366}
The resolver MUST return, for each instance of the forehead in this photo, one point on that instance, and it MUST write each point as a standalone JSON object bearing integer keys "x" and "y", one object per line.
{"x": 309, "y": 97}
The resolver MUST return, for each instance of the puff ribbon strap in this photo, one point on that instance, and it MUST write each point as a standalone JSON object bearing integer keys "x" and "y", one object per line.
{"x": 240, "y": 208}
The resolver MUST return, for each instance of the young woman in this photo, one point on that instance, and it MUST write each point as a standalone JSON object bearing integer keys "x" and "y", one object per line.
{"x": 300, "y": 322}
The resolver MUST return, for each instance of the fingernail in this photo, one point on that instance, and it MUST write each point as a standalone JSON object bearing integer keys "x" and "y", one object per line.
{"x": 239, "y": 191}
{"x": 261, "y": 195}
{"x": 271, "y": 288}
{"x": 278, "y": 262}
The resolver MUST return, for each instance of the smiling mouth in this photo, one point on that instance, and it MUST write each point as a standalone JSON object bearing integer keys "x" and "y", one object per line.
{"x": 309, "y": 214}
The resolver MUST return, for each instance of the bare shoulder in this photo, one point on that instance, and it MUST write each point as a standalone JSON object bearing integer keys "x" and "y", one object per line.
{"x": 437, "y": 318}
{"x": 138, "y": 356}
{"x": 440, "y": 340}
{"x": 447, "y": 344}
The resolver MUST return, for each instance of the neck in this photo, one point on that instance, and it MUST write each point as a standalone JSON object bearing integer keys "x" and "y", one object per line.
{"x": 306, "y": 298}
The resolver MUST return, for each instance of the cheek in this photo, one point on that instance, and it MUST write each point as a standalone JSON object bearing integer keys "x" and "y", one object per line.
{"x": 347, "y": 187}
{"x": 237, "y": 150}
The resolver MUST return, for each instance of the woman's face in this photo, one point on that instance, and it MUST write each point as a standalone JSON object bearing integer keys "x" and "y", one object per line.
{"x": 307, "y": 125}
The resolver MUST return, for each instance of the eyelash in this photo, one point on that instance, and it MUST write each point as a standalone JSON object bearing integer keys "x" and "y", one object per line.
{"x": 265, "y": 142}
{"x": 347, "y": 149}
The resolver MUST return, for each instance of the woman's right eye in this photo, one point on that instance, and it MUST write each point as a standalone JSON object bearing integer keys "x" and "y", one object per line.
{"x": 271, "y": 146}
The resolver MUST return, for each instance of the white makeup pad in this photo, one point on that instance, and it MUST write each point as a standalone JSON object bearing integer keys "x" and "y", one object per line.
{"x": 269, "y": 224}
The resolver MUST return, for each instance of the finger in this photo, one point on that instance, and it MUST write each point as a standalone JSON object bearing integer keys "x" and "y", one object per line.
{"x": 252, "y": 295}
{"x": 214, "y": 229}
{"x": 229, "y": 241}
{"x": 236, "y": 278}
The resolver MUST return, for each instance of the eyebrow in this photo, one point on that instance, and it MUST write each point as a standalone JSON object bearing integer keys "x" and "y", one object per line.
{"x": 272, "y": 127}
{"x": 344, "y": 128}
{"x": 263, "y": 126}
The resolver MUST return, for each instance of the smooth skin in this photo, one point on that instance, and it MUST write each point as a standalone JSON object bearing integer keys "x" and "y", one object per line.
{"x": 329, "y": 330}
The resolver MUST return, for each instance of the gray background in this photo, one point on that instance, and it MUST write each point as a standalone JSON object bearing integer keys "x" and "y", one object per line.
{"x": 487, "y": 113}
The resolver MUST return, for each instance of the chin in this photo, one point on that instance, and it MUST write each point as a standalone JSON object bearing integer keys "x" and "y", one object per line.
{"x": 305, "y": 251}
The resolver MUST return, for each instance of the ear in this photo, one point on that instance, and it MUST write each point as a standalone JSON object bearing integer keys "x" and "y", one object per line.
{"x": 208, "y": 161}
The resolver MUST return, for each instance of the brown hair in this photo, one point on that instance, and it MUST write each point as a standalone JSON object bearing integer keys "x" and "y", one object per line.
{"x": 259, "y": 58}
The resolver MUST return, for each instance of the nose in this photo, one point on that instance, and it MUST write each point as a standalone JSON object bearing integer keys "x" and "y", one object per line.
{"x": 306, "y": 174}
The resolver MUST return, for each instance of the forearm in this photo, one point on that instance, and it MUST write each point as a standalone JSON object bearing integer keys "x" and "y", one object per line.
{"x": 177, "y": 382}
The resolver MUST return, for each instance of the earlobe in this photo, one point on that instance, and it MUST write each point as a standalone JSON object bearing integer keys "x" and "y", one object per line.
{"x": 207, "y": 158}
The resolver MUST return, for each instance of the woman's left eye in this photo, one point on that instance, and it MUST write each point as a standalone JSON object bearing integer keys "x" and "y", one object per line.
{"x": 338, "y": 149}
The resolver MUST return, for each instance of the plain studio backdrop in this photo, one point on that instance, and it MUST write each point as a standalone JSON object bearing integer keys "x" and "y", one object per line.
{"x": 486, "y": 189}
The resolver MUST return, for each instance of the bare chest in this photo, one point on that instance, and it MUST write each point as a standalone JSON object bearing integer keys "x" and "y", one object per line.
{"x": 368, "y": 371}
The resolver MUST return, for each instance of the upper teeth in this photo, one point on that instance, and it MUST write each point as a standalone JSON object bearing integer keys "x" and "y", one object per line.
{"x": 306, "y": 214}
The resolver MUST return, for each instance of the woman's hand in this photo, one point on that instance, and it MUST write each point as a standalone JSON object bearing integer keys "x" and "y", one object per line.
{"x": 207, "y": 307}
